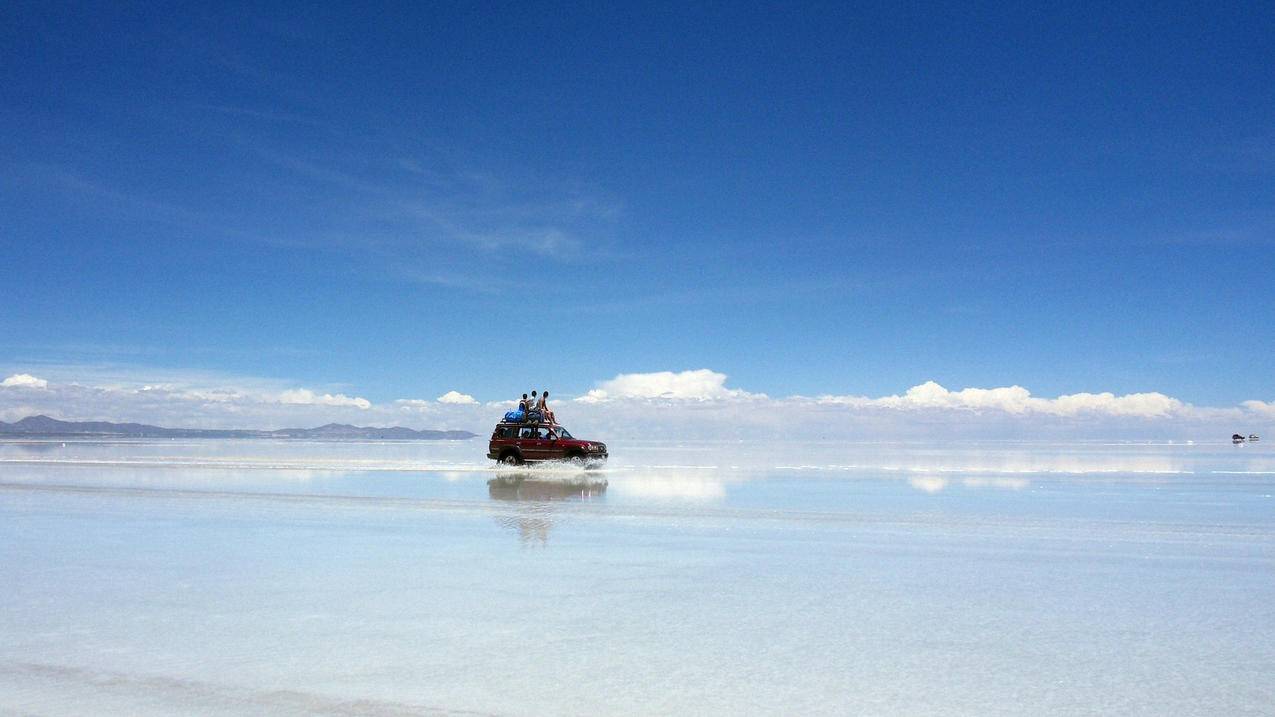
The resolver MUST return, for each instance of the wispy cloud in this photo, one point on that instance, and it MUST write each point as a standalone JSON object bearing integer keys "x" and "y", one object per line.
{"x": 272, "y": 116}
{"x": 132, "y": 203}
{"x": 1254, "y": 232}
{"x": 404, "y": 201}
{"x": 136, "y": 205}
{"x": 403, "y": 218}
{"x": 761, "y": 290}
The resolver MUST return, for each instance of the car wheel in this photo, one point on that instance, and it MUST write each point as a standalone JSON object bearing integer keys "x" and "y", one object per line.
{"x": 511, "y": 459}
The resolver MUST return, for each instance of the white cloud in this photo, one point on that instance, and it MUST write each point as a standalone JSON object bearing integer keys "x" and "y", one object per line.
{"x": 1147, "y": 405}
{"x": 1017, "y": 401}
{"x": 414, "y": 404}
{"x": 1266, "y": 408}
{"x": 698, "y": 404}
{"x": 698, "y": 385}
{"x": 305, "y": 396}
{"x": 24, "y": 380}
{"x": 457, "y": 397}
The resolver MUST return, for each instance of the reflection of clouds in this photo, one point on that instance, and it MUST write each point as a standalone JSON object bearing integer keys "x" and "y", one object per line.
{"x": 178, "y": 477}
{"x": 301, "y": 465}
{"x": 1015, "y": 462}
{"x": 955, "y": 457}
{"x": 685, "y": 487}
{"x": 928, "y": 484}
{"x": 1001, "y": 483}
{"x": 255, "y": 454}
{"x": 933, "y": 484}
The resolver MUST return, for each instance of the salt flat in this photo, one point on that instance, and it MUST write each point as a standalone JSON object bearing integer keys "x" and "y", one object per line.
{"x": 230, "y": 577}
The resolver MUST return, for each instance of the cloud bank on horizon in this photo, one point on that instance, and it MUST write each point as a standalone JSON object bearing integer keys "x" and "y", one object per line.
{"x": 707, "y": 385}
{"x": 691, "y": 404}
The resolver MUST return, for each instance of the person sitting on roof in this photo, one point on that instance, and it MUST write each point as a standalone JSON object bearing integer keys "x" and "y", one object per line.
{"x": 543, "y": 407}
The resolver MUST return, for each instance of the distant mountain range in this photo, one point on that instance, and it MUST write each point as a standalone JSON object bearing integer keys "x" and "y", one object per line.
{"x": 43, "y": 426}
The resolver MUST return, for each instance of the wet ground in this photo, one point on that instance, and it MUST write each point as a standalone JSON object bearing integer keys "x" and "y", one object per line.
{"x": 224, "y": 577}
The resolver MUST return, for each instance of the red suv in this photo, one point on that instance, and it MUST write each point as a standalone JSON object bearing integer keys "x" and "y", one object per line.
{"x": 517, "y": 443}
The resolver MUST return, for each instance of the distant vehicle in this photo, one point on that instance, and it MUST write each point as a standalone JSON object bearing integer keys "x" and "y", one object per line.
{"x": 1253, "y": 438}
{"x": 1237, "y": 438}
{"x": 514, "y": 443}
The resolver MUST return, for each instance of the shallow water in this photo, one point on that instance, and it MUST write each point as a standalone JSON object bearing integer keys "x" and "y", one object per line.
{"x": 224, "y": 577}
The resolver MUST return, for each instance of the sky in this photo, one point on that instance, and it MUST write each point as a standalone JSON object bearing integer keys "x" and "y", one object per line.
{"x": 402, "y": 202}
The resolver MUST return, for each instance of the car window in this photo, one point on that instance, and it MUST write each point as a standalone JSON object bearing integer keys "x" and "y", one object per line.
{"x": 526, "y": 432}
{"x": 543, "y": 433}
{"x": 562, "y": 433}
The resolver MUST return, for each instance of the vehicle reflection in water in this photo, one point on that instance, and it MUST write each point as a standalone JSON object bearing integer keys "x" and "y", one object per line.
{"x": 534, "y": 495}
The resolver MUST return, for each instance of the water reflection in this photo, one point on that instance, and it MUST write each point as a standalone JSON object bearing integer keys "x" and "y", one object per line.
{"x": 935, "y": 484}
{"x": 34, "y": 448}
{"x": 683, "y": 484}
{"x": 533, "y": 496}
{"x": 987, "y": 462}
{"x": 533, "y": 487}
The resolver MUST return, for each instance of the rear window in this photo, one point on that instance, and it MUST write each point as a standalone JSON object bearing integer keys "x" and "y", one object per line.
{"x": 503, "y": 432}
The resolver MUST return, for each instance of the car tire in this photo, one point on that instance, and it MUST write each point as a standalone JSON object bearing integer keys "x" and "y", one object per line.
{"x": 511, "y": 459}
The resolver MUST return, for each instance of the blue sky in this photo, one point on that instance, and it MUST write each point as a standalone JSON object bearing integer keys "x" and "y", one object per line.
{"x": 399, "y": 201}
